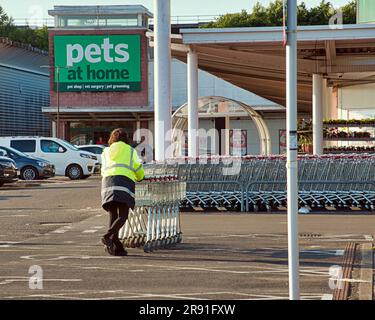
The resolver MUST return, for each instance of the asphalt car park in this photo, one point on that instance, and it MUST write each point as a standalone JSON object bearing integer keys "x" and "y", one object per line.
{"x": 57, "y": 224}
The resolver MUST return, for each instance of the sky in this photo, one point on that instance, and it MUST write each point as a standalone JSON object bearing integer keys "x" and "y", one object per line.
{"x": 37, "y": 9}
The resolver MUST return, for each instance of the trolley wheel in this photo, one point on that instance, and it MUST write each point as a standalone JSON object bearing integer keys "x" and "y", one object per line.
{"x": 133, "y": 243}
{"x": 147, "y": 247}
{"x": 163, "y": 243}
{"x": 154, "y": 245}
{"x": 137, "y": 242}
{"x": 179, "y": 239}
{"x": 143, "y": 241}
{"x": 166, "y": 243}
{"x": 158, "y": 244}
{"x": 126, "y": 242}
{"x": 173, "y": 240}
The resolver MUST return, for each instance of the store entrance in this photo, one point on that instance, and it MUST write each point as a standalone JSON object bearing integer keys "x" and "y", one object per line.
{"x": 82, "y": 133}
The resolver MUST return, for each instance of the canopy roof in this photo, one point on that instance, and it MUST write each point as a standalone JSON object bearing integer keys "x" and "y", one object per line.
{"x": 254, "y": 58}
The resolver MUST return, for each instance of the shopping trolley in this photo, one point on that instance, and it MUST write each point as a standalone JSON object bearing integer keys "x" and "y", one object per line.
{"x": 339, "y": 181}
{"x": 155, "y": 221}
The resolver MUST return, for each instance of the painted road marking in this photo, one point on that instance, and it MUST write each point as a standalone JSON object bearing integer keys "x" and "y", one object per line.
{"x": 59, "y": 231}
{"x": 325, "y": 252}
{"x": 27, "y": 279}
{"x": 7, "y": 244}
{"x": 15, "y": 216}
{"x": 90, "y": 231}
{"x": 122, "y": 294}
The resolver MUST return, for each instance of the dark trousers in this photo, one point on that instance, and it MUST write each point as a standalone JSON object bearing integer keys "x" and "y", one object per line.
{"x": 118, "y": 214}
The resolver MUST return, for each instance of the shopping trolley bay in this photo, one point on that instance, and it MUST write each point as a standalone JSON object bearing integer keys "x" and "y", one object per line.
{"x": 193, "y": 256}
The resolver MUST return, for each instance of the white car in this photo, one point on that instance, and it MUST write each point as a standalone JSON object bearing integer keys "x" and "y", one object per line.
{"x": 96, "y": 149}
{"x": 68, "y": 160}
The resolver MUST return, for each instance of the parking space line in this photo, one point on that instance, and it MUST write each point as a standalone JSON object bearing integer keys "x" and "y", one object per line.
{"x": 90, "y": 231}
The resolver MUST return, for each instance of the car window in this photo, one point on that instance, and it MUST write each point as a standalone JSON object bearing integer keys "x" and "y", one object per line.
{"x": 23, "y": 145}
{"x": 49, "y": 146}
{"x": 86, "y": 149}
{"x": 98, "y": 150}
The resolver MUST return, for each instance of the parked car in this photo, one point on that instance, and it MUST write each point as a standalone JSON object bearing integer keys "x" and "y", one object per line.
{"x": 30, "y": 168}
{"x": 8, "y": 171}
{"x": 68, "y": 160}
{"x": 96, "y": 149}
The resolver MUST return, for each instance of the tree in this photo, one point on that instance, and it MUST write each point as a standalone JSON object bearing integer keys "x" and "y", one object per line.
{"x": 231, "y": 19}
{"x": 35, "y": 37}
{"x": 5, "y": 22}
{"x": 273, "y": 15}
{"x": 321, "y": 14}
{"x": 349, "y": 12}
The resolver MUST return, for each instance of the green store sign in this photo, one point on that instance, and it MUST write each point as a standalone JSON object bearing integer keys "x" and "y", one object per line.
{"x": 98, "y": 63}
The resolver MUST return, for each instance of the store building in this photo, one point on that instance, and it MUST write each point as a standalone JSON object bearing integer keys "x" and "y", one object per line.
{"x": 102, "y": 59}
{"x": 99, "y": 70}
{"x": 24, "y": 90}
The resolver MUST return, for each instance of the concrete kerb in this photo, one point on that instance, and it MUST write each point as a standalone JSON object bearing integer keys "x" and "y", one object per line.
{"x": 366, "y": 274}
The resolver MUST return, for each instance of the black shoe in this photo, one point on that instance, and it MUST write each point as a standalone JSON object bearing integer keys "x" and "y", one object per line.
{"x": 121, "y": 253}
{"x": 108, "y": 245}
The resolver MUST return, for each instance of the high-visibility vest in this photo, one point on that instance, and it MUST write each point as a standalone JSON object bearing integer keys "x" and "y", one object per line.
{"x": 121, "y": 159}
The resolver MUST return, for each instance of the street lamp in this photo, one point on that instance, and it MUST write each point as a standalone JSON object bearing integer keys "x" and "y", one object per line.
{"x": 57, "y": 68}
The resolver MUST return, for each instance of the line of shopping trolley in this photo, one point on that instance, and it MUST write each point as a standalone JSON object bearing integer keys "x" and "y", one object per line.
{"x": 254, "y": 183}
{"x": 155, "y": 221}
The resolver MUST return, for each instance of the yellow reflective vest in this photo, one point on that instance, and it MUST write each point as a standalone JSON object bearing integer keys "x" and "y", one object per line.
{"x": 120, "y": 159}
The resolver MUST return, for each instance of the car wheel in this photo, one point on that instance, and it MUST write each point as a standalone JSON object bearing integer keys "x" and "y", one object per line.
{"x": 29, "y": 173}
{"x": 74, "y": 172}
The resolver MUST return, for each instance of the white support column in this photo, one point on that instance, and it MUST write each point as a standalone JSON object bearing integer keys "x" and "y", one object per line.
{"x": 317, "y": 114}
{"x": 54, "y": 126}
{"x": 227, "y": 136}
{"x": 292, "y": 150}
{"x": 193, "y": 117}
{"x": 162, "y": 79}
{"x": 138, "y": 131}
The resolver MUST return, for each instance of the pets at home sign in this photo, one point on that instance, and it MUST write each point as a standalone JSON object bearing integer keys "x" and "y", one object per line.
{"x": 98, "y": 63}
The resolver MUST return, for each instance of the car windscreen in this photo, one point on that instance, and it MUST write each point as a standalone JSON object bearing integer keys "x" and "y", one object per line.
{"x": 94, "y": 150}
{"x": 68, "y": 145}
{"x": 17, "y": 152}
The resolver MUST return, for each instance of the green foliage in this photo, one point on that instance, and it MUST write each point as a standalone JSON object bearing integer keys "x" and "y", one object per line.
{"x": 272, "y": 15}
{"x": 35, "y": 37}
{"x": 349, "y": 12}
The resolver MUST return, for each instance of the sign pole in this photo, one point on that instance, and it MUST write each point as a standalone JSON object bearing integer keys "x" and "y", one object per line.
{"x": 162, "y": 79}
{"x": 58, "y": 101}
{"x": 292, "y": 149}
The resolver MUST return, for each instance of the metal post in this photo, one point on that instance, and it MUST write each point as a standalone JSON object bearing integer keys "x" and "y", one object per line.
{"x": 58, "y": 101}
{"x": 193, "y": 118}
{"x": 162, "y": 80}
{"x": 318, "y": 114}
{"x": 292, "y": 149}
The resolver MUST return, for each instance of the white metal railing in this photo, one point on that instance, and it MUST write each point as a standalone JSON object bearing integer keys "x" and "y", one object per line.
{"x": 188, "y": 19}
